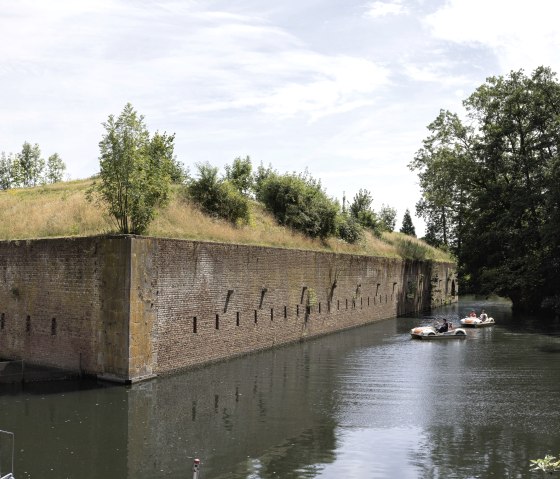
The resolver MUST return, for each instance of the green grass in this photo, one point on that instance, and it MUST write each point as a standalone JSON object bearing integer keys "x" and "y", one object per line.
{"x": 62, "y": 210}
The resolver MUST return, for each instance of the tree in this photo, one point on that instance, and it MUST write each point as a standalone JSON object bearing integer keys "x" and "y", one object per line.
{"x": 407, "y": 227}
{"x": 135, "y": 171}
{"x": 349, "y": 229}
{"x": 360, "y": 209}
{"x": 239, "y": 174}
{"x": 179, "y": 172}
{"x": 30, "y": 165}
{"x": 387, "y": 218}
{"x": 217, "y": 196}
{"x": 7, "y": 171}
{"x": 55, "y": 169}
{"x": 299, "y": 202}
{"x": 445, "y": 166}
{"x": 260, "y": 176}
{"x": 492, "y": 191}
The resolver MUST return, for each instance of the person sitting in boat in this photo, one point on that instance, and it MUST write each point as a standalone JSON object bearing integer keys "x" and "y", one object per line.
{"x": 472, "y": 314}
{"x": 444, "y": 327}
{"x": 483, "y": 316}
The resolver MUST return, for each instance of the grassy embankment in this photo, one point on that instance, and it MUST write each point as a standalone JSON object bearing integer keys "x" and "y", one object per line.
{"x": 63, "y": 210}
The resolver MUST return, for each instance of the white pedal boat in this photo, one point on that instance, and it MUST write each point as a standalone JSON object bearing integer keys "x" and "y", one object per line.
{"x": 477, "y": 322}
{"x": 429, "y": 332}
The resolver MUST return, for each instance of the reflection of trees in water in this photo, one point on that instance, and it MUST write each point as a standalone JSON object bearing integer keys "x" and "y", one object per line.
{"x": 460, "y": 452}
{"x": 298, "y": 457}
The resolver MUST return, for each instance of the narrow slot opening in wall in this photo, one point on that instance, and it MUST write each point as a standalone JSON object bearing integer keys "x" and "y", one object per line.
{"x": 368, "y": 300}
{"x": 217, "y": 321}
{"x": 303, "y": 290}
{"x": 28, "y": 324}
{"x": 237, "y": 318}
{"x": 285, "y": 312}
{"x": 361, "y": 302}
{"x": 263, "y": 292}
{"x": 53, "y": 327}
{"x": 2, "y": 321}
{"x": 338, "y": 304}
{"x": 346, "y": 303}
{"x": 297, "y": 309}
{"x": 271, "y": 314}
{"x": 255, "y": 316}
{"x": 194, "y": 324}
{"x": 319, "y": 308}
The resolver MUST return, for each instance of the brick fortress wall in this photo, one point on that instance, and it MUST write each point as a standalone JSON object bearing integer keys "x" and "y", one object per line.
{"x": 126, "y": 308}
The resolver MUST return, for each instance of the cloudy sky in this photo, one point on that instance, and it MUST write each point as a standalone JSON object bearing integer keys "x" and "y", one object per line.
{"x": 344, "y": 88}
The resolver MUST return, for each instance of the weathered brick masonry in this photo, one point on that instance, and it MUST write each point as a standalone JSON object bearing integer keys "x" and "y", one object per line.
{"x": 126, "y": 308}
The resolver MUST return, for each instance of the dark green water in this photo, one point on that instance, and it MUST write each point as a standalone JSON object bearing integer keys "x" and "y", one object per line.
{"x": 366, "y": 403}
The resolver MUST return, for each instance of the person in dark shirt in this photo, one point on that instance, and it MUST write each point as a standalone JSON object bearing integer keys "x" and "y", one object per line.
{"x": 444, "y": 327}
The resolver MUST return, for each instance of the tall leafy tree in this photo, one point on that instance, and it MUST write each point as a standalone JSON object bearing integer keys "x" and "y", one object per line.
{"x": 492, "y": 189}
{"x": 361, "y": 211}
{"x": 135, "y": 171}
{"x": 407, "y": 227}
{"x": 55, "y": 169}
{"x": 240, "y": 174}
{"x": 387, "y": 217}
{"x": 7, "y": 171}
{"x": 30, "y": 165}
{"x": 445, "y": 164}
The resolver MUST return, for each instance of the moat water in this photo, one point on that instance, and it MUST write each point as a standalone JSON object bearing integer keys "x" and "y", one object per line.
{"x": 365, "y": 403}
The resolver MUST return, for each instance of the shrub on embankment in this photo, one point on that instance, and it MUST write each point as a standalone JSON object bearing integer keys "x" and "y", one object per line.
{"x": 62, "y": 209}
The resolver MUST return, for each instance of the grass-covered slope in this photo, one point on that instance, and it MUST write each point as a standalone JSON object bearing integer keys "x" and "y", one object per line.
{"x": 63, "y": 210}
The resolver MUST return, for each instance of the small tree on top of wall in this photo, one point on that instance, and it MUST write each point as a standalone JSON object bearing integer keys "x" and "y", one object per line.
{"x": 135, "y": 171}
{"x": 407, "y": 227}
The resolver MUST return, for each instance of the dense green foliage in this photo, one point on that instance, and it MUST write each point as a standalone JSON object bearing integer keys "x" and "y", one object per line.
{"x": 299, "y": 202}
{"x": 296, "y": 201}
{"x": 349, "y": 228}
{"x": 135, "y": 171}
{"x": 218, "y": 197}
{"x": 491, "y": 188}
{"x": 407, "y": 227}
{"x": 27, "y": 168}
{"x": 362, "y": 212}
{"x": 240, "y": 175}
{"x": 387, "y": 218}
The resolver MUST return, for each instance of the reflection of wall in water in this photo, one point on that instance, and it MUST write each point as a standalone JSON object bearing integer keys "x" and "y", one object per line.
{"x": 239, "y": 409}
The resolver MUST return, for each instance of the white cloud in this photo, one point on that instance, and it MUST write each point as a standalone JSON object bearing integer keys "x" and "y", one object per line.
{"x": 522, "y": 34}
{"x": 382, "y": 9}
{"x": 206, "y": 60}
{"x": 434, "y": 72}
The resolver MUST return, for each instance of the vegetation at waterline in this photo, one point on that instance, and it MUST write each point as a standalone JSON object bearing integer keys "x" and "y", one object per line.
{"x": 491, "y": 188}
{"x": 62, "y": 209}
{"x": 548, "y": 464}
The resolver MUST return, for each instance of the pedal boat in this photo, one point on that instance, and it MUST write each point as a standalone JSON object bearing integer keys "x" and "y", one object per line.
{"x": 429, "y": 332}
{"x": 477, "y": 322}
